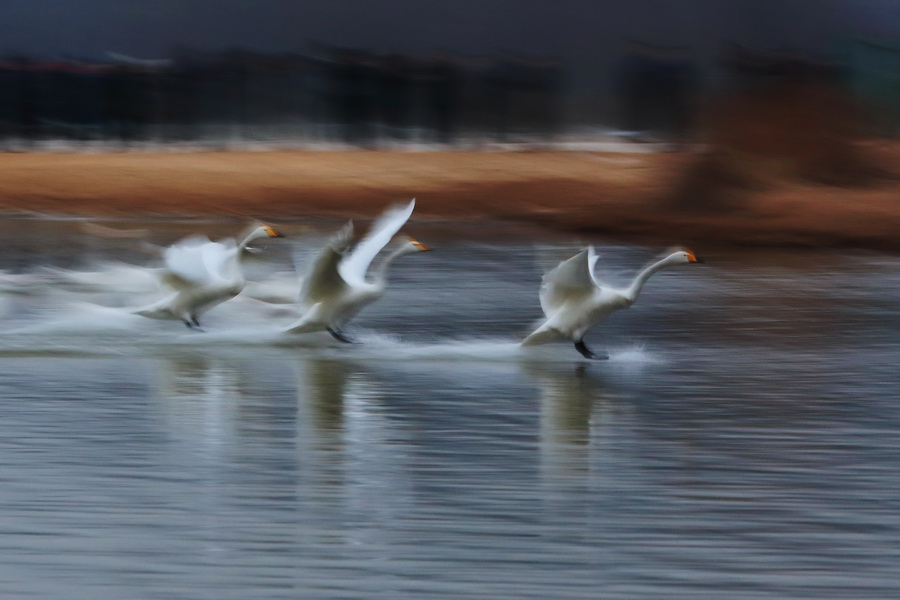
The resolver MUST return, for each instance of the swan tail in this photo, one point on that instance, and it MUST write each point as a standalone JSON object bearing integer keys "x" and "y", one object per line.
{"x": 306, "y": 327}
{"x": 310, "y": 321}
{"x": 542, "y": 335}
{"x": 155, "y": 312}
{"x": 161, "y": 309}
{"x": 315, "y": 318}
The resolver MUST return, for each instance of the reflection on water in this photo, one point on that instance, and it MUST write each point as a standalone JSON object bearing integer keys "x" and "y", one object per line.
{"x": 322, "y": 385}
{"x": 741, "y": 442}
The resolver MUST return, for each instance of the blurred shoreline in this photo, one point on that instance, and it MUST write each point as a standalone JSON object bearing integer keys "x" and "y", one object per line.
{"x": 621, "y": 195}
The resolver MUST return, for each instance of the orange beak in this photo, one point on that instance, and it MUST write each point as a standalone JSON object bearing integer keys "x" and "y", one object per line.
{"x": 419, "y": 245}
{"x": 272, "y": 232}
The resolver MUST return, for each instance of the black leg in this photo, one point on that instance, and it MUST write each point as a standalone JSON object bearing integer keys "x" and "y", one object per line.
{"x": 336, "y": 334}
{"x": 586, "y": 352}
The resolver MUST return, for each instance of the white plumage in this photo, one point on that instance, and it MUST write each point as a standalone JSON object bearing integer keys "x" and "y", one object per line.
{"x": 337, "y": 287}
{"x": 573, "y": 300}
{"x": 202, "y": 274}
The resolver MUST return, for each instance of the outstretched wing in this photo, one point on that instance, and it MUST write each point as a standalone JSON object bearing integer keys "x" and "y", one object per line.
{"x": 186, "y": 262}
{"x": 221, "y": 260}
{"x": 322, "y": 280}
{"x": 353, "y": 268}
{"x": 570, "y": 279}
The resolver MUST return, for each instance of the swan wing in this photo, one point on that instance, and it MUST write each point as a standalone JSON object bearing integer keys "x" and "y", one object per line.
{"x": 221, "y": 261}
{"x": 570, "y": 279}
{"x": 185, "y": 263}
{"x": 198, "y": 261}
{"x": 323, "y": 280}
{"x": 353, "y": 268}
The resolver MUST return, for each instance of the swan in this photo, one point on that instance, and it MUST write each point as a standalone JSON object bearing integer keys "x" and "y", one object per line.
{"x": 335, "y": 288}
{"x": 203, "y": 274}
{"x": 573, "y": 300}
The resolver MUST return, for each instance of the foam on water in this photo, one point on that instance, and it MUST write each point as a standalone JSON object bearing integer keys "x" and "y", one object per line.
{"x": 635, "y": 354}
{"x": 108, "y": 277}
{"x": 381, "y": 346}
{"x": 83, "y": 318}
{"x": 385, "y": 347}
{"x": 93, "y": 328}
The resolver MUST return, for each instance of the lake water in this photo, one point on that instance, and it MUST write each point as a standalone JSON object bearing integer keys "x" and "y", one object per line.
{"x": 743, "y": 440}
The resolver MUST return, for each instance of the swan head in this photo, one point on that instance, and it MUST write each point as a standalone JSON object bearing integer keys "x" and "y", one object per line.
{"x": 413, "y": 245}
{"x": 266, "y": 231}
{"x": 684, "y": 256}
{"x": 260, "y": 232}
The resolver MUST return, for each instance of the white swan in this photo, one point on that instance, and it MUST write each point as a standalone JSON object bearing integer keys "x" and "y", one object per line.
{"x": 573, "y": 300}
{"x": 335, "y": 288}
{"x": 203, "y": 274}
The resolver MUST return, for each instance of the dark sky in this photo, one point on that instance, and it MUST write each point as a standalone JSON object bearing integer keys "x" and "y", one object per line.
{"x": 150, "y": 27}
{"x": 586, "y": 33}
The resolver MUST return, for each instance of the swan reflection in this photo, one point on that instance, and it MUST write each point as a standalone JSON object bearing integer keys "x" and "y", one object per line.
{"x": 233, "y": 436}
{"x": 350, "y": 460}
{"x": 341, "y": 405}
{"x": 213, "y": 400}
{"x": 200, "y": 395}
{"x": 321, "y": 387}
{"x": 572, "y": 399}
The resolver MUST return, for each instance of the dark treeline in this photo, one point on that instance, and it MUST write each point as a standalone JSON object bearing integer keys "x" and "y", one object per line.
{"x": 336, "y": 95}
{"x": 365, "y": 99}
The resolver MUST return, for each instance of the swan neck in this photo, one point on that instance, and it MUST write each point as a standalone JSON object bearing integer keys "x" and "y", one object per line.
{"x": 241, "y": 251}
{"x": 380, "y": 271}
{"x": 634, "y": 290}
{"x": 245, "y": 242}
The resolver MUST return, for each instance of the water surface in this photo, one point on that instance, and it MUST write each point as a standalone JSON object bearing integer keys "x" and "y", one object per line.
{"x": 741, "y": 442}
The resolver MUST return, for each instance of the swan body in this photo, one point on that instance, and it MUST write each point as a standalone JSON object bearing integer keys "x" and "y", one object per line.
{"x": 573, "y": 300}
{"x": 337, "y": 286}
{"x": 202, "y": 275}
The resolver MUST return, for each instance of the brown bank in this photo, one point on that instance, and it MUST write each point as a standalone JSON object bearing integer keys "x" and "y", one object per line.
{"x": 628, "y": 196}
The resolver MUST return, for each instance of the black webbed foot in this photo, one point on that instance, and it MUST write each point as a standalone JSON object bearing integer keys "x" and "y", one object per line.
{"x": 193, "y": 325}
{"x": 587, "y": 353}
{"x": 336, "y": 334}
